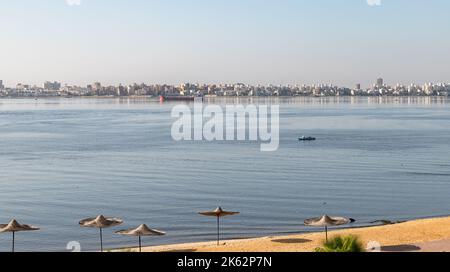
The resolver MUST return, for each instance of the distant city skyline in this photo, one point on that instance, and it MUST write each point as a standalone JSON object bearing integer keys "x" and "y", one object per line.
{"x": 190, "y": 91}
{"x": 56, "y": 85}
{"x": 276, "y": 42}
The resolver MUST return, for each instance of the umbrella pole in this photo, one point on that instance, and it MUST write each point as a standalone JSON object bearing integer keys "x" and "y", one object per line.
{"x": 101, "y": 240}
{"x": 140, "y": 244}
{"x": 326, "y": 234}
{"x": 13, "y": 240}
{"x": 218, "y": 230}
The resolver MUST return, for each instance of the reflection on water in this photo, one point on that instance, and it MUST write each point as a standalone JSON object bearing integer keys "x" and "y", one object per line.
{"x": 134, "y": 102}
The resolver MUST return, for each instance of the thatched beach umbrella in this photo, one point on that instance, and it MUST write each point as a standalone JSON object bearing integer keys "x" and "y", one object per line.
{"x": 101, "y": 223}
{"x": 218, "y": 213}
{"x": 328, "y": 221}
{"x": 142, "y": 230}
{"x": 14, "y": 227}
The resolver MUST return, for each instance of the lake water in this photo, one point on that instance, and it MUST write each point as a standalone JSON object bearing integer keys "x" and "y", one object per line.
{"x": 62, "y": 160}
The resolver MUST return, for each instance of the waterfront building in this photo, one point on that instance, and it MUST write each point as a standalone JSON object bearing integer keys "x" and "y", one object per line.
{"x": 380, "y": 82}
{"x": 52, "y": 86}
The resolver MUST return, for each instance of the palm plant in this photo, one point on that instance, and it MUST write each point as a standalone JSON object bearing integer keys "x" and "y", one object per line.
{"x": 342, "y": 244}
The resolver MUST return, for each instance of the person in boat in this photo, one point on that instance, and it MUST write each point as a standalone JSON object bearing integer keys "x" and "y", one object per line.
{"x": 304, "y": 138}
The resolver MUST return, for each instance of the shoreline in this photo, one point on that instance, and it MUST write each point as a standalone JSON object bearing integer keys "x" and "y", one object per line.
{"x": 429, "y": 234}
{"x": 225, "y": 97}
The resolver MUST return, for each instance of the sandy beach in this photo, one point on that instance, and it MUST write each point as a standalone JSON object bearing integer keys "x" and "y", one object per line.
{"x": 432, "y": 235}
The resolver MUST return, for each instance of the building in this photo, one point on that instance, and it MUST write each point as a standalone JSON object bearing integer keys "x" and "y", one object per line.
{"x": 52, "y": 86}
{"x": 97, "y": 86}
{"x": 22, "y": 87}
{"x": 1, "y": 85}
{"x": 358, "y": 86}
{"x": 380, "y": 82}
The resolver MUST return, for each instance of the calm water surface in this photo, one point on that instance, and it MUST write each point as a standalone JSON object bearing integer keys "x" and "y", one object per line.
{"x": 62, "y": 160}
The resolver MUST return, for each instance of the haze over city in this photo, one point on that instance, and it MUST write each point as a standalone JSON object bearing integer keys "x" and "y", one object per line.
{"x": 254, "y": 42}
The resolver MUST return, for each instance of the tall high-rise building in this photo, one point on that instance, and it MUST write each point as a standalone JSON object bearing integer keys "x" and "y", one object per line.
{"x": 97, "y": 86}
{"x": 52, "y": 86}
{"x": 1, "y": 85}
{"x": 358, "y": 86}
{"x": 380, "y": 82}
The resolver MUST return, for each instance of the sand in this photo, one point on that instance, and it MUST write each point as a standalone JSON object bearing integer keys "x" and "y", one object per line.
{"x": 413, "y": 236}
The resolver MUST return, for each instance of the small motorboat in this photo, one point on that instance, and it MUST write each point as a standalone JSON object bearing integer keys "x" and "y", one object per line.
{"x": 306, "y": 139}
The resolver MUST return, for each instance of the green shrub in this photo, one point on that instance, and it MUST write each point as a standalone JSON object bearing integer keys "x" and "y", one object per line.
{"x": 342, "y": 244}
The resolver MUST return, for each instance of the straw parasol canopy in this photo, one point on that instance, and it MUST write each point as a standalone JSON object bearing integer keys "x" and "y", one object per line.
{"x": 101, "y": 223}
{"x": 142, "y": 230}
{"x": 328, "y": 221}
{"x": 14, "y": 227}
{"x": 219, "y": 212}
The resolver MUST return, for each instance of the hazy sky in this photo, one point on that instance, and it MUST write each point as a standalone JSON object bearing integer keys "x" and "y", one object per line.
{"x": 207, "y": 41}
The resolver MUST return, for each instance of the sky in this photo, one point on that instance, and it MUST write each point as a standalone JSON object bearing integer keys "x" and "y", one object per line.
{"x": 341, "y": 42}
